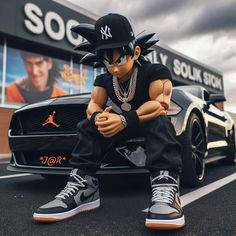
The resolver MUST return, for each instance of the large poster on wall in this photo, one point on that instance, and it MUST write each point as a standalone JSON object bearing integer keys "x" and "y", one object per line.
{"x": 33, "y": 77}
{"x": 77, "y": 78}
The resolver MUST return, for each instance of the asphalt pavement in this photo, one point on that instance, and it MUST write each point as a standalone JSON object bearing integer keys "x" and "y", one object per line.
{"x": 124, "y": 199}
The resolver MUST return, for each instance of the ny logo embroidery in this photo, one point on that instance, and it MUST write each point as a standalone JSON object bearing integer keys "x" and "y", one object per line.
{"x": 106, "y": 32}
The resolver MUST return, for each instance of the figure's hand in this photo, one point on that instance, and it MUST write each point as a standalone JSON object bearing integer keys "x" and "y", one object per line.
{"x": 161, "y": 111}
{"x": 109, "y": 124}
{"x": 103, "y": 115}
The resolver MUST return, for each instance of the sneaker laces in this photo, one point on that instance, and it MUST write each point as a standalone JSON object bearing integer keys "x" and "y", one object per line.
{"x": 165, "y": 192}
{"x": 72, "y": 187}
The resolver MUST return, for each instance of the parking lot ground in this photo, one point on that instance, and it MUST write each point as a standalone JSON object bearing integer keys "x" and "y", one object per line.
{"x": 123, "y": 199}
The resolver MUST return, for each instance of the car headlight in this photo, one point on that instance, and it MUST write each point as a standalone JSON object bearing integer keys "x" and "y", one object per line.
{"x": 173, "y": 109}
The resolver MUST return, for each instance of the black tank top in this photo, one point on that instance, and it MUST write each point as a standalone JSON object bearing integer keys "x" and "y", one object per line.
{"x": 147, "y": 73}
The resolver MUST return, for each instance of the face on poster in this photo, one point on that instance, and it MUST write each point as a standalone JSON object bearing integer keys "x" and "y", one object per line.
{"x": 34, "y": 77}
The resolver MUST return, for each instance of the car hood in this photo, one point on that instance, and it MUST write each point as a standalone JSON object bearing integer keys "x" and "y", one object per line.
{"x": 71, "y": 99}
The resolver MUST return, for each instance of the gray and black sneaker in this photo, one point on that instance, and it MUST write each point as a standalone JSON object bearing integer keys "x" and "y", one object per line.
{"x": 165, "y": 210}
{"x": 80, "y": 194}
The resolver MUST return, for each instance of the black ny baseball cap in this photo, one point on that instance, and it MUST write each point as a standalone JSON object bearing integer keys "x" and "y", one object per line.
{"x": 113, "y": 31}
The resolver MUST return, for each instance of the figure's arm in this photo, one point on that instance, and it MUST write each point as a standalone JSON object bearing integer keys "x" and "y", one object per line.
{"x": 160, "y": 94}
{"x": 98, "y": 99}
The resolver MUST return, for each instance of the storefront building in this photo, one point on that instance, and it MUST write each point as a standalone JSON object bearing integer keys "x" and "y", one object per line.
{"x": 43, "y": 29}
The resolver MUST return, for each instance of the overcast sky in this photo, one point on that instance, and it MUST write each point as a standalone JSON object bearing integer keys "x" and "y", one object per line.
{"x": 202, "y": 29}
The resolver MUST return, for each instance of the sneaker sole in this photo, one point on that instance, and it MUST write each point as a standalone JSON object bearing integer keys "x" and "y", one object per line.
{"x": 65, "y": 215}
{"x": 165, "y": 224}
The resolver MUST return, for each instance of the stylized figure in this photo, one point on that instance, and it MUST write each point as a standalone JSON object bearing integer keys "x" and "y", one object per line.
{"x": 142, "y": 90}
{"x": 50, "y": 120}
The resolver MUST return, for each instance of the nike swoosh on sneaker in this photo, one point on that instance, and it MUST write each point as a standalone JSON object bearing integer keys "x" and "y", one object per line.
{"x": 83, "y": 197}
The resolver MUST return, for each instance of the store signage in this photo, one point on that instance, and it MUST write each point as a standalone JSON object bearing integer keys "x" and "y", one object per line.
{"x": 184, "y": 69}
{"x": 189, "y": 72}
{"x": 37, "y": 22}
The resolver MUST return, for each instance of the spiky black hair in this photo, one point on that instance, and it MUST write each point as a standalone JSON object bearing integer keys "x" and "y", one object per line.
{"x": 94, "y": 57}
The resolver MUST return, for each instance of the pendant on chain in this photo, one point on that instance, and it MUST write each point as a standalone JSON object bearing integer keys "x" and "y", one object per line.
{"x": 125, "y": 106}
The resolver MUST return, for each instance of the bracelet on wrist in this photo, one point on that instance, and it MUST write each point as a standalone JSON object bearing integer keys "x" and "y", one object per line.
{"x": 132, "y": 119}
{"x": 123, "y": 120}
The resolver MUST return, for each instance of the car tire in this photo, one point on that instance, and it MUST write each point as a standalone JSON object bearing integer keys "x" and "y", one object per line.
{"x": 193, "y": 153}
{"x": 230, "y": 155}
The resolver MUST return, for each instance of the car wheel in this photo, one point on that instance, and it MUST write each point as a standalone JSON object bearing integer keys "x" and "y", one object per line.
{"x": 193, "y": 156}
{"x": 230, "y": 156}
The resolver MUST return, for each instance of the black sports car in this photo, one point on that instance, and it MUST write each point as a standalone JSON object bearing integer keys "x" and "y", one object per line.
{"x": 42, "y": 135}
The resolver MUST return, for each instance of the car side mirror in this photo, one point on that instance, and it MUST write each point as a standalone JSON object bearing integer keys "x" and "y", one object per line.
{"x": 216, "y": 98}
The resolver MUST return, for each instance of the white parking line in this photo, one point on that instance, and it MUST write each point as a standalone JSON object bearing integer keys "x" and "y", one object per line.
{"x": 4, "y": 162}
{"x": 196, "y": 194}
{"x": 13, "y": 176}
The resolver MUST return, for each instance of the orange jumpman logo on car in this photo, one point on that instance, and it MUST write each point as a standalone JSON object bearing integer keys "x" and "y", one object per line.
{"x": 50, "y": 120}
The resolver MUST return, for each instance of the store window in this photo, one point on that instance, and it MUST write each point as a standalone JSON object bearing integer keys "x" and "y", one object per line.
{"x": 88, "y": 73}
{"x": 98, "y": 71}
{"x": 70, "y": 77}
{"x": 77, "y": 78}
{"x": 63, "y": 68}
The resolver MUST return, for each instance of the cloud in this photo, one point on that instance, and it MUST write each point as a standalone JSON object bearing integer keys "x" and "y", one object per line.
{"x": 220, "y": 18}
{"x": 175, "y": 20}
{"x": 155, "y": 8}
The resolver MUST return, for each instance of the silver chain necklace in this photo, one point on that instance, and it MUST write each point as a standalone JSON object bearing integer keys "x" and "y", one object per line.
{"x": 125, "y": 95}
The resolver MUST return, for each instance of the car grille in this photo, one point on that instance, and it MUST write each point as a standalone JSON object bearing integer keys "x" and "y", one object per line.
{"x": 65, "y": 120}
